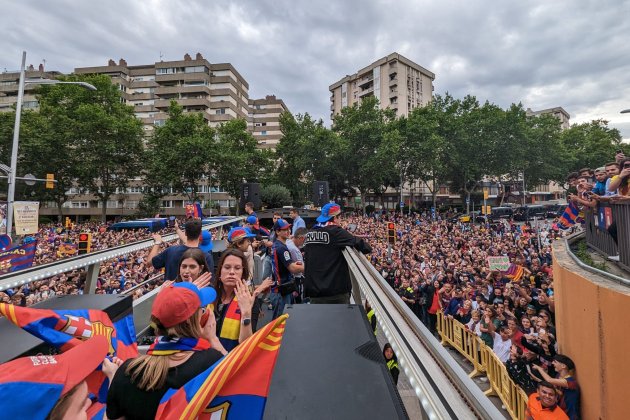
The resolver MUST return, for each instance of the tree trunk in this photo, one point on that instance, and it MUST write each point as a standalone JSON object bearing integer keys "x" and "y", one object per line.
{"x": 60, "y": 211}
{"x": 104, "y": 211}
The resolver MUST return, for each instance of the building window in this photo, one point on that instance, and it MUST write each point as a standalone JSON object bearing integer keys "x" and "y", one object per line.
{"x": 79, "y": 204}
{"x": 220, "y": 111}
{"x": 263, "y": 133}
{"x": 167, "y": 204}
{"x": 159, "y": 123}
{"x": 29, "y": 104}
{"x": 168, "y": 70}
{"x": 195, "y": 69}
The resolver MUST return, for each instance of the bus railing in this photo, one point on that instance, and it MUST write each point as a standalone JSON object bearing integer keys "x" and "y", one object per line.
{"x": 598, "y": 222}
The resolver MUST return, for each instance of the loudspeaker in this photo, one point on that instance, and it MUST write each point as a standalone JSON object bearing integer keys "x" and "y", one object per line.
{"x": 250, "y": 192}
{"x": 320, "y": 193}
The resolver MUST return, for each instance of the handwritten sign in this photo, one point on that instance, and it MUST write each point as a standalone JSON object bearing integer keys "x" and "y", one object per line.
{"x": 499, "y": 263}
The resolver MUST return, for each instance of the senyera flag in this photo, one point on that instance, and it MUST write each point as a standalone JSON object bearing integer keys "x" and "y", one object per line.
{"x": 66, "y": 329}
{"x": 235, "y": 387}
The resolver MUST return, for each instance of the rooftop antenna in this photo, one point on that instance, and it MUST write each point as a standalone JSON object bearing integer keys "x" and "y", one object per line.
{"x": 44, "y": 63}
{"x": 161, "y": 56}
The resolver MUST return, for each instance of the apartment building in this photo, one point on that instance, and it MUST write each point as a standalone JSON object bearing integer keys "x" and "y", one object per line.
{"x": 397, "y": 82}
{"x": 557, "y": 112}
{"x": 264, "y": 120}
{"x": 9, "y": 83}
{"x": 218, "y": 91}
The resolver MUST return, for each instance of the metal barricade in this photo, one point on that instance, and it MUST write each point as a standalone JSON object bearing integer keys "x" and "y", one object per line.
{"x": 621, "y": 216}
{"x": 596, "y": 237}
{"x": 484, "y": 361}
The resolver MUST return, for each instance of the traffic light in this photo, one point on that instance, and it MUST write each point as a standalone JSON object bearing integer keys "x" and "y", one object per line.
{"x": 85, "y": 243}
{"x": 391, "y": 233}
{"x": 50, "y": 181}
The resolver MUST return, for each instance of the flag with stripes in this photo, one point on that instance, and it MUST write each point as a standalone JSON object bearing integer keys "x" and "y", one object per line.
{"x": 235, "y": 387}
{"x": 66, "y": 329}
{"x": 18, "y": 257}
{"x": 569, "y": 217}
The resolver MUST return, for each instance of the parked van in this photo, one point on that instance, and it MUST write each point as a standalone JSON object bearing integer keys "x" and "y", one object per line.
{"x": 526, "y": 213}
{"x": 501, "y": 213}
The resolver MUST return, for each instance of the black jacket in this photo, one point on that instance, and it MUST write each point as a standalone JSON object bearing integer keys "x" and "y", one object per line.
{"x": 326, "y": 270}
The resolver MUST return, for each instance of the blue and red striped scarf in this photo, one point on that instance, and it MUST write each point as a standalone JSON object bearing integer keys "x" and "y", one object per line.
{"x": 164, "y": 345}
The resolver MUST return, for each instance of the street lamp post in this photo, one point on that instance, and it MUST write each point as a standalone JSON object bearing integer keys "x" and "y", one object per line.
{"x": 16, "y": 133}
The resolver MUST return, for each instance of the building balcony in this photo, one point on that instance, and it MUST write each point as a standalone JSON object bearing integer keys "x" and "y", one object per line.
{"x": 174, "y": 90}
{"x": 185, "y": 102}
{"x": 364, "y": 81}
{"x": 366, "y": 91}
{"x": 162, "y": 78}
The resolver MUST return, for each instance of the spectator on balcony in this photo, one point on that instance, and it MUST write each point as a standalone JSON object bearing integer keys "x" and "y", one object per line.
{"x": 584, "y": 195}
{"x": 612, "y": 170}
{"x": 600, "y": 184}
{"x": 621, "y": 182}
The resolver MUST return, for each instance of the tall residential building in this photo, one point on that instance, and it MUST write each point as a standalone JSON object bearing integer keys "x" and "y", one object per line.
{"x": 557, "y": 112}
{"x": 218, "y": 90}
{"x": 9, "y": 82}
{"x": 396, "y": 82}
{"x": 264, "y": 120}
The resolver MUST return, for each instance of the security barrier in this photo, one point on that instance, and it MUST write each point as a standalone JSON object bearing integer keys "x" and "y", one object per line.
{"x": 484, "y": 361}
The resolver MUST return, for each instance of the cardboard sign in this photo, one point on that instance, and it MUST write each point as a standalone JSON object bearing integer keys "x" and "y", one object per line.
{"x": 499, "y": 263}
{"x": 26, "y": 216}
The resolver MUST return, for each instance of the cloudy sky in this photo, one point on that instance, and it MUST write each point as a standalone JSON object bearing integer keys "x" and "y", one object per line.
{"x": 574, "y": 54}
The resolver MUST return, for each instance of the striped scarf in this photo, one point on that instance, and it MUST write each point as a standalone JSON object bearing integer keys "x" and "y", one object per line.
{"x": 164, "y": 345}
{"x": 231, "y": 327}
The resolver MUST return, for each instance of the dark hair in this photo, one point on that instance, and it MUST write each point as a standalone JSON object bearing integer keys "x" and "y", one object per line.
{"x": 193, "y": 229}
{"x": 611, "y": 164}
{"x": 389, "y": 346}
{"x": 249, "y": 204}
{"x": 229, "y": 252}
{"x": 566, "y": 360}
{"x": 585, "y": 170}
{"x": 572, "y": 175}
{"x": 547, "y": 385}
{"x": 503, "y": 329}
{"x": 196, "y": 254}
{"x": 302, "y": 231}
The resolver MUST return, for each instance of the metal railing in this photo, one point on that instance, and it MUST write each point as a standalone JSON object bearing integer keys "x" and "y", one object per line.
{"x": 598, "y": 222}
{"x": 89, "y": 261}
{"x": 443, "y": 388}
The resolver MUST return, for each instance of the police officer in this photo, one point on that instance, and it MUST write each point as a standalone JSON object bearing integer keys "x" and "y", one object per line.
{"x": 327, "y": 277}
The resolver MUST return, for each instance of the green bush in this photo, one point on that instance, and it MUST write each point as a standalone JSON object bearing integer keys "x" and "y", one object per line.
{"x": 275, "y": 196}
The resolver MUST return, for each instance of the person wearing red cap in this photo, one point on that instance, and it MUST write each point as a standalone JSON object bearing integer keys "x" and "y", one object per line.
{"x": 187, "y": 345}
{"x": 52, "y": 386}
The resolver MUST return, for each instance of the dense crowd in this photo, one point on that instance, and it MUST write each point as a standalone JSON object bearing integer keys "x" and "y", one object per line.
{"x": 55, "y": 242}
{"x": 439, "y": 266}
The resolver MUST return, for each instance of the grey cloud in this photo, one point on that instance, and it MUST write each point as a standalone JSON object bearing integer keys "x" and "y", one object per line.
{"x": 568, "y": 53}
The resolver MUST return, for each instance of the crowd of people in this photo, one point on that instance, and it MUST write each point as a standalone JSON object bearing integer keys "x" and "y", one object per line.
{"x": 439, "y": 266}
{"x": 436, "y": 266}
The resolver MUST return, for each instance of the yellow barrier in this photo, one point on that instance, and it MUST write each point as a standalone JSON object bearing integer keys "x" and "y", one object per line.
{"x": 484, "y": 361}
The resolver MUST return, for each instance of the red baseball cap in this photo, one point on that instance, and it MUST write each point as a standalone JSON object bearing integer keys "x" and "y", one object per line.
{"x": 31, "y": 386}
{"x": 177, "y": 302}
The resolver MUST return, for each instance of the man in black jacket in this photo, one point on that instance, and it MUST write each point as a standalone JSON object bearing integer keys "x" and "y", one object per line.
{"x": 327, "y": 277}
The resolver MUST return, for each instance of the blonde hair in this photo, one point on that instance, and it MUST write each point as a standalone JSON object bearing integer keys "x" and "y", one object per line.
{"x": 149, "y": 371}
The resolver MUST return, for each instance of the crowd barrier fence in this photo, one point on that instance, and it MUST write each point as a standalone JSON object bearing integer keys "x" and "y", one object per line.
{"x": 454, "y": 334}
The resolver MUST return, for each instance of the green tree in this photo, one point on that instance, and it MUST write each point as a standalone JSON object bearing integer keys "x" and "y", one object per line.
{"x": 591, "y": 144}
{"x": 104, "y": 135}
{"x": 179, "y": 154}
{"x": 238, "y": 157}
{"x": 275, "y": 196}
{"x": 361, "y": 129}
{"x": 308, "y": 152}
